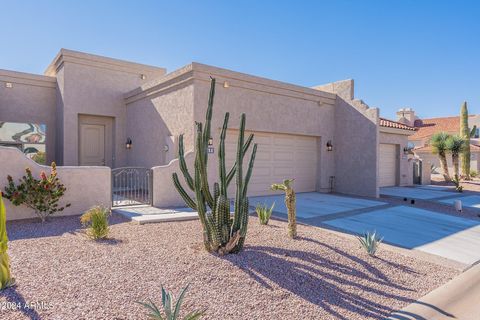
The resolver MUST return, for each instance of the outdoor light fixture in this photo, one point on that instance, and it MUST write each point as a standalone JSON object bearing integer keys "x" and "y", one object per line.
{"x": 329, "y": 145}
{"x": 226, "y": 84}
{"x": 143, "y": 77}
{"x": 210, "y": 141}
{"x": 129, "y": 143}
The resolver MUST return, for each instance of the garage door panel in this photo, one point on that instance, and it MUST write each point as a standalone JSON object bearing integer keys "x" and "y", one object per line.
{"x": 279, "y": 157}
{"x": 283, "y": 156}
{"x": 388, "y": 162}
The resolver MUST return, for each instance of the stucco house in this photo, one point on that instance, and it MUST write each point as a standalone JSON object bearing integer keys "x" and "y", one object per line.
{"x": 99, "y": 111}
{"x": 426, "y": 128}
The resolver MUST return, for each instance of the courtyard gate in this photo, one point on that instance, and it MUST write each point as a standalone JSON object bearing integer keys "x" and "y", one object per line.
{"x": 131, "y": 186}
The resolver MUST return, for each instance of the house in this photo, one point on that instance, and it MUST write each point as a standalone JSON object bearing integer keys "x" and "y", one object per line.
{"x": 99, "y": 111}
{"x": 426, "y": 128}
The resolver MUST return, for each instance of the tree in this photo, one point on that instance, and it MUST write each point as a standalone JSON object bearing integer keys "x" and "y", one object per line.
{"x": 439, "y": 147}
{"x": 465, "y": 134}
{"x": 455, "y": 145}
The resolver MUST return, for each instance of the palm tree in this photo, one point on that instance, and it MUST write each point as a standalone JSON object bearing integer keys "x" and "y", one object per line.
{"x": 439, "y": 147}
{"x": 456, "y": 145}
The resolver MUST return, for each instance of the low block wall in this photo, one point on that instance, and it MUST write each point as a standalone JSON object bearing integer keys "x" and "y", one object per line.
{"x": 164, "y": 193}
{"x": 86, "y": 186}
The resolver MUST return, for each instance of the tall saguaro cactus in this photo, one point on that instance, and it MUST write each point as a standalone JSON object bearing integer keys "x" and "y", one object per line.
{"x": 465, "y": 133}
{"x": 221, "y": 232}
{"x": 290, "y": 202}
{"x": 6, "y": 279}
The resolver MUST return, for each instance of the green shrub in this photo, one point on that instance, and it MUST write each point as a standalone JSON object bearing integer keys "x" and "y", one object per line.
{"x": 264, "y": 213}
{"x": 370, "y": 242}
{"x": 167, "y": 303}
{"x": 473, "y": 173}
{"x": 42, "y": 195}
{"x": 96, "y": 222}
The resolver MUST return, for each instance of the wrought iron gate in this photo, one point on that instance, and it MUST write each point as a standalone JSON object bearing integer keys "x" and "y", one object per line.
{"x": 131, "y": 186}
{"x": 417, "y": 172}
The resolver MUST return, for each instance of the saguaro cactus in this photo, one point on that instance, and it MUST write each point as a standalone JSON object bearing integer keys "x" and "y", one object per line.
{"x": 221, "y": 232}
{"x": 290, "y": 202}
{"x": 6, "y": 279}
{"x": 465, "y": 133}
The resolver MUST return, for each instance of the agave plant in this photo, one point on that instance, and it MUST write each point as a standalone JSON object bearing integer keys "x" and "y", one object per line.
{"x": 167, "y": 303}
{"x": 370, "y": 242}
{"x": 264, "y": 213}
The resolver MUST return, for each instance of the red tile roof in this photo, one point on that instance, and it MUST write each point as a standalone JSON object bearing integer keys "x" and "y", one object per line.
{"x": 428, "y": 127}
{"x": 394, "y": 124}
{"x": 473, "y": 147}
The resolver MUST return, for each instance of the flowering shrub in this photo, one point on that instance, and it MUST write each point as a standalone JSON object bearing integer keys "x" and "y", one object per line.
{"x": 41, "y": 195}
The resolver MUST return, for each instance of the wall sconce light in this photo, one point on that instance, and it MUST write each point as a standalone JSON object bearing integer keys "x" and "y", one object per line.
{"x": 226, "y": 84}
{"x": 329, "y": 145}
{"x": 129, "y": 143}
{"x": 210, "y": 141}
{"x": 407, "y": 150}
{"x": 143, "y": 77}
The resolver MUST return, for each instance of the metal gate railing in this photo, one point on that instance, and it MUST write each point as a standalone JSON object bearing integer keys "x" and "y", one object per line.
{"x": 131, "y": 186}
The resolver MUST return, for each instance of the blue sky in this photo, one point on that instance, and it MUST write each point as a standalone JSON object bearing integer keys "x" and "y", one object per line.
{"x": 420, "y": 54}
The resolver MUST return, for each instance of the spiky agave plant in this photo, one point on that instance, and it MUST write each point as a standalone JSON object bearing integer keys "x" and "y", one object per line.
{"x": 264, "y": 213}
{"x": 6, "y": 279}
{"x": 370, "y": 242}
{"x": 221, "y": 233}
{"x": 290, "y": 202}
{"x": 168, "y": 300}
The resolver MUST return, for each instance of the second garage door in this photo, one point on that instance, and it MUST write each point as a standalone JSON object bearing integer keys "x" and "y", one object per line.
{"x": 279, "y": 157}
{"x": 387, "y": 165}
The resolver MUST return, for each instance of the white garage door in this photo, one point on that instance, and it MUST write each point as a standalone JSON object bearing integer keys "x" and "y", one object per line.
{"x": 387, "y": 165}
{"x": 279, "y": 157}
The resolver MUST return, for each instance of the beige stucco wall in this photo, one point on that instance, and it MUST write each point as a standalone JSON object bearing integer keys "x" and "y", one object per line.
{"x": 94, "y": 85}
{"x": 271, "y": 107}
{"x": 30, "y": 100}
{"x": 86, "y": 186}
{"x": 355, "y": 145}
{"x": 162, "y": 108}
{"x": 405, "y": 173}
{"x": 433, "y": 159}
{"x": 157, "y": 119}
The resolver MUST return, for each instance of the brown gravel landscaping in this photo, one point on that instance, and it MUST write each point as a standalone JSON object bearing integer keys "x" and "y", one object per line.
{"x": 318, "y": 276}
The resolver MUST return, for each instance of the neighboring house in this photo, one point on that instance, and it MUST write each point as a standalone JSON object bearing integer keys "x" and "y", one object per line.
{"x": 103, "y": 111}
{"x": 426, "y": 128}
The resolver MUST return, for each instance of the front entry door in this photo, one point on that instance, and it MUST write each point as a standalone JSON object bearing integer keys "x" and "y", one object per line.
{"x": 92, "y": 145}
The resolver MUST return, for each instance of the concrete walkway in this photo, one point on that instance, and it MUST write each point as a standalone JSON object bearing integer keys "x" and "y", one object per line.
{"x": 148, "y": 214}
{"x": 458, "y": 299}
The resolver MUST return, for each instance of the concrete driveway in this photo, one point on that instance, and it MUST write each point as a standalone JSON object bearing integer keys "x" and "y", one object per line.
{"x": 410, "y": 227}
{"x": 444, "y": 235}
{"x": 421, "y": 192}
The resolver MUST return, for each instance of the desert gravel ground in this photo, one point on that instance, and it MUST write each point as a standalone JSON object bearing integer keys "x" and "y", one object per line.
{"x": 318, "y": 276}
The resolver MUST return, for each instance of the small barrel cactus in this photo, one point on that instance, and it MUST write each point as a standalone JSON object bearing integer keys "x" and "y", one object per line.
{"x": 6, "y": 279}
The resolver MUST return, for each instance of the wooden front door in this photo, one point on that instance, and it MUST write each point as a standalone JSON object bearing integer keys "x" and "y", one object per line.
{"x": 92, "y": 145}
